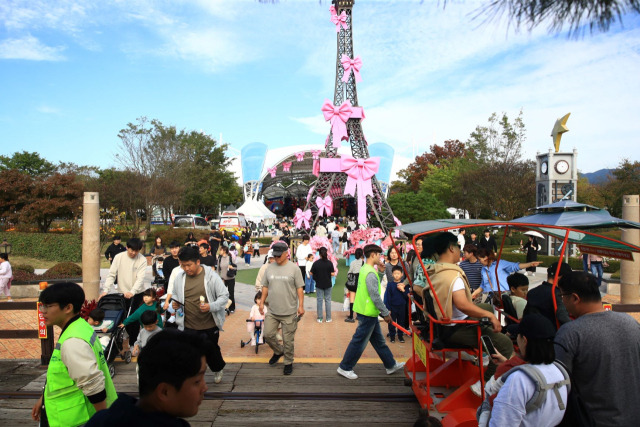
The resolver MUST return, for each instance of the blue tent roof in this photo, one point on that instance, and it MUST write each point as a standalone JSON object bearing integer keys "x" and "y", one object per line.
{"x": 599, "y": 218}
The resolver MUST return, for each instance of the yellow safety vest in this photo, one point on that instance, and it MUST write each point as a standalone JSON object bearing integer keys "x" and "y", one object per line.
{"x": 363, "y": 304}
{"x": 65, "y": 403}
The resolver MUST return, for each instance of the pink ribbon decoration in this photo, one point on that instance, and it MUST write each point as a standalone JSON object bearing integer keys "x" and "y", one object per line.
{"x": 313, "y": 187}
{"x": 300, "y": 156}
{"x": 338, "y": 117}
{"x": 339, "y": 20}
{"x": 396, "y": 233}
{"x": 286, "y": 166}
{"x": 332, "y": 10}
{"x": 324, "y": 205}
{"x": 316, "y": 153}
{"x": 272, "y": 171}
{"x": 351, "y": 64}
{"x": 359, "y": 173}
{"x": 302, "y": 218}
{"x": 316, "y": 167}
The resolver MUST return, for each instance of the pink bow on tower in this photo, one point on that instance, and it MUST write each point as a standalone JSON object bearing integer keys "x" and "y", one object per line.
{"x": 316, "y": 168}
{"x": 359, "y": 173}
{"x": 324, "y": 205}
{"x": 300, "y": 156}
{"x": 286, "y": 166}
{"x": 313, "y": 187}
{"x": 338, "y": 117}
{"x": 302, "y": 218}
{"x": 332, "y": 10}
{"x": 351, "y": 64}
{"x": 316, "y": 153}
{"x": 339, "y": 20}
{"x": 396, "y": 233}
{"x": 272, "y": 171}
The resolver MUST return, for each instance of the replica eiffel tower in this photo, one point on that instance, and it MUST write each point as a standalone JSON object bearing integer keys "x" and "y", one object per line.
{"x": 333, "y": 183}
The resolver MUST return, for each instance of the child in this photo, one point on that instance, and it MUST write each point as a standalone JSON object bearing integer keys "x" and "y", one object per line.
{"x": 309, "y": 283}
{"x": 233, "y": 252}
{"x": 395, "y": 298}
{"x": 149, "y": 329}
{"x": 253, "y": 316}
{"x": 256, "y": 248}
{"x": 519, "y": 286}
{"x": 247, "y": 253}
{"x": 96, "y": 319}
{"x": 150, "y": 304}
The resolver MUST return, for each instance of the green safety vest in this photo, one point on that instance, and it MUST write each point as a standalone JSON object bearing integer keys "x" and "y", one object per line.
{"x": 363, "y": 304}
{"x": 65, "y": 403}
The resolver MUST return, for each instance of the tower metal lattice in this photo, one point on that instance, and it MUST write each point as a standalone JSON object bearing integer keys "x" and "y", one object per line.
{"x": 332, "y": 184}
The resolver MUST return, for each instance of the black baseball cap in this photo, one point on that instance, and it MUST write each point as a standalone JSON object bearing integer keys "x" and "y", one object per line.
{"x": 279, "y": 248}
{"x": 535, "y": 326}
{"x": 565, "y": 269}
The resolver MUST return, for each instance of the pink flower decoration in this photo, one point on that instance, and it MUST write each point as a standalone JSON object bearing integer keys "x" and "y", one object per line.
{"x": 286, "y": 166}
{"x": 300, "y": 156}
{"x": 273, "y": 171}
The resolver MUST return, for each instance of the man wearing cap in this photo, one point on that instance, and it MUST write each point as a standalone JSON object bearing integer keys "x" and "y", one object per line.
{"x": 539, "y": 299}
{"x": 263, "y": 268}
{"x": 601, "y": 350}
{"x": 283, "y": 291}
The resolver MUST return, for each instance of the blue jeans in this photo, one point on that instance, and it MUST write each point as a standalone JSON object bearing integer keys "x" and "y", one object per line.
{"x": 247, "y": 258}
{"x": 368, "y": 330}
{"x": 324, "y": 295}
{"x": 309, "y": 285}
{"x": 597, "y": 270}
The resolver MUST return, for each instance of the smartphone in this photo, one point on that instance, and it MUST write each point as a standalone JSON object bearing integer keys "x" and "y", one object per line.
{"x": 488, "y": 345}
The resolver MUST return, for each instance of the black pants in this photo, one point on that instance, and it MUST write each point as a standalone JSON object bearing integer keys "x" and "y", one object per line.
{"x": 231, "y": 286}
{"x": 256, "y": 252}
{"x": 214, "y": 355}
{"x": 303, "y": 270}
{"x": 398, "y": 315}
{"x": 134, "y": 329}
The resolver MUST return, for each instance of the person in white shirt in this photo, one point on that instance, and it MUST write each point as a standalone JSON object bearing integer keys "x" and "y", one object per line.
{"x": 304, "y": 249}
{"x": 6, "y": 274}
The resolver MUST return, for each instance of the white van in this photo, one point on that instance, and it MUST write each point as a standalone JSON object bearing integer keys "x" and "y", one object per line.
{"x": 190, "y": 221}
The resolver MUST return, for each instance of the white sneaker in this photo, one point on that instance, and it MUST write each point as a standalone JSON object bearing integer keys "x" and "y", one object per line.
{"x": 328, "y": 321}
{"x": 476, "y": 388}
{"x": 217, "y": 376}
{"x": 396, "y": 368}
{"x": 319, "y": 320}
{"x": 348, "y": 374}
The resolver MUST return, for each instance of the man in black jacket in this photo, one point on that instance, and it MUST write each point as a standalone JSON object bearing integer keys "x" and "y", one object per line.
{"x": 539, "y": 299}
{"x": 114, "y": 249}
{"x": 488, "y": 241}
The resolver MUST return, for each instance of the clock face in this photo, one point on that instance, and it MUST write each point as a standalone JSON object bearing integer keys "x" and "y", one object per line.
{"x": 544, "y": 167}
{"x": 562, "y": 166}
{"x": 566, "y": 188}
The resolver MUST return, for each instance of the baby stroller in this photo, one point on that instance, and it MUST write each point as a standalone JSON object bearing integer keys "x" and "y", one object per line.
{"x": 256, "y": 334}
{"x": 115, "y": 310}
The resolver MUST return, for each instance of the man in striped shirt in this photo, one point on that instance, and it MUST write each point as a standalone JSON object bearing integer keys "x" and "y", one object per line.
{"x": 471, "y": 266}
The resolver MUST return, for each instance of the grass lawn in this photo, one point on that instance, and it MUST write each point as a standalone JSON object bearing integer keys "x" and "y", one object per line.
{"x": 337, "y": 295}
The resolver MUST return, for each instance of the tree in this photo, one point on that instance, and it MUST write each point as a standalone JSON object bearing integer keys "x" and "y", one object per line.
{"x": 29, "y": 163}
{"x": 444, "y": 181}
{"x": 437, "y": 155}
{"x": 623, "y": 180}
{"x": 420, "y": 206}
{"x": 589, "y": 194}
{"x": 500, "y": 141}
{"x": 596, "y": 14}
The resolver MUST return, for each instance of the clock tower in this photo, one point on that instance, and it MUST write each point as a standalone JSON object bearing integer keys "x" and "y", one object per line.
{"x": 556, "y": 172}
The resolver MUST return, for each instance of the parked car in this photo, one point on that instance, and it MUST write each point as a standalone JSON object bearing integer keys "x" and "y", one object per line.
{"x": 190, "y": 221}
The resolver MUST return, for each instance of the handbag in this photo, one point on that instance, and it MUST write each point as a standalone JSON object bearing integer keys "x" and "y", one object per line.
{"x": 232, "y": 272}
{"x": 352, "y": 282}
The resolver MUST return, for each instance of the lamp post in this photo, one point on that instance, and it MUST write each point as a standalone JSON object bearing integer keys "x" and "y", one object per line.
{"x": 5, "y": 247}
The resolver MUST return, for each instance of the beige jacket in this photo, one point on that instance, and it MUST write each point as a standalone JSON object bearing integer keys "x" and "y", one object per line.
{"x": 442, "y": 276}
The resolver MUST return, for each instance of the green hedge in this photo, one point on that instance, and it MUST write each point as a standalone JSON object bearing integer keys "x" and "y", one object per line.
{"x": 45, "y": 246}
{"x": 575, "y": 263}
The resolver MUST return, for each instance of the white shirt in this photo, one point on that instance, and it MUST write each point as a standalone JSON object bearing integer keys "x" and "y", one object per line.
{"x": 456, "y": 314}
{"x": 461, "y": 241}
{"x": 302, "y": 253}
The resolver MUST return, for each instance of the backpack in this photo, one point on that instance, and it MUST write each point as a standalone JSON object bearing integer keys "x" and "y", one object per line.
{"x": 540, "y": 395}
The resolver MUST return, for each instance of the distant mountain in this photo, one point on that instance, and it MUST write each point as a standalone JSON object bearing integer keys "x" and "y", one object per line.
{"x": 597, "y": 177}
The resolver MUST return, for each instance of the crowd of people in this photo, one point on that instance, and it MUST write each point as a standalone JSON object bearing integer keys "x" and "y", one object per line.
{"x": 537, "y": 365}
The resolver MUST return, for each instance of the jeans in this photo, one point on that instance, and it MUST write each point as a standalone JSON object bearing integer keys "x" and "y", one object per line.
{"x": 247, "y": 258}
{"x": 324, "y": 295}
{"x": 597, "y": 270}
{"x": 213, "y": 353}
{"x": 368, "y": 330}
{"x": 309, "y": 285}
{"x": 336, "y": 246}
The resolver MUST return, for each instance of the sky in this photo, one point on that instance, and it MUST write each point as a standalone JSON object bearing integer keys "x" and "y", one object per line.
{"x": 73, "y": 73}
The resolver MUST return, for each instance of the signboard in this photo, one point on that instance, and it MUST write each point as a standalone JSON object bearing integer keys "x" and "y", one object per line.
{"x": 42, "y": 326}
{"x": 420, "y": 349}
{"x": 609, "y": 253}
{"x": 228, "y": 222}
{"x": 607, "y": 307}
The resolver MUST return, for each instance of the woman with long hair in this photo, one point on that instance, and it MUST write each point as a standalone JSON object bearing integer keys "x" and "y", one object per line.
{"x": 322, "y": 271}
{"x": 354, "y": 268}
{"x": 225, "y": 265}
{"x": 158, "y": 248}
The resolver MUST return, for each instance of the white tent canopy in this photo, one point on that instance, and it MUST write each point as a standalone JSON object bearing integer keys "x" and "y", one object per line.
{"x": 256, "y": 211}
